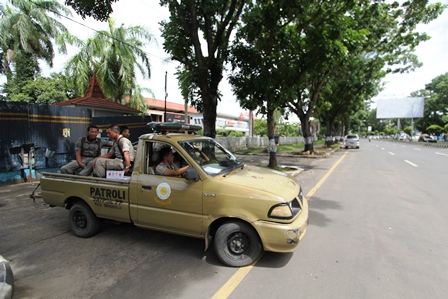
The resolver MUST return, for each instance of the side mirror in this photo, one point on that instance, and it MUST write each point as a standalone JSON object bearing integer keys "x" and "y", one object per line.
{"x": 191, "y": 174}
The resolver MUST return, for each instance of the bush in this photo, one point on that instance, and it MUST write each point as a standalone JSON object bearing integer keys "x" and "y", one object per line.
{"x": 436, "y": 129}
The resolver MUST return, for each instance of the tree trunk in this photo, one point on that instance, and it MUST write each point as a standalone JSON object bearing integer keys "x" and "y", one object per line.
{"x": 271, "y": 133}
{"x": 328, "y": 133}
{"x": 306, "y": 129}
{"x": 209, "y": 114}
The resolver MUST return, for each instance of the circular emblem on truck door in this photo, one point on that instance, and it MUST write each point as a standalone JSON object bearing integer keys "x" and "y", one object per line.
{"x": 163, "y": 191}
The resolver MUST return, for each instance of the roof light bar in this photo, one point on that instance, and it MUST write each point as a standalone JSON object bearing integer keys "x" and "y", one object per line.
{"x": 166, "y": 127}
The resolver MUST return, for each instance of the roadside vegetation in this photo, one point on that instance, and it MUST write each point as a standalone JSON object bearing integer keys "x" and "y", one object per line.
{"x": 319, "y": 144}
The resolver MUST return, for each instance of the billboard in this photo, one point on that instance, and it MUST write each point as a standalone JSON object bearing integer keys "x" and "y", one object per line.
{"x": 400, "y": 108}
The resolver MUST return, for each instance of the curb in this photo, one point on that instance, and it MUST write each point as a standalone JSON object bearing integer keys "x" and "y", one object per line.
{"x": 326, "y": 155}
{"x": 6, "y": 279}
{"x": 437, "y": 145}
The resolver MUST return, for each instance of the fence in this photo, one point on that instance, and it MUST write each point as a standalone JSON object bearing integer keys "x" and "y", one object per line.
{"x": 36, "y": 137}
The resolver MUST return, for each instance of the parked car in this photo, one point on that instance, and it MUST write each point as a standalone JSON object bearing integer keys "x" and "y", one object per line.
{"x": 351, "y": 140}
{"x": 427, "y": 138}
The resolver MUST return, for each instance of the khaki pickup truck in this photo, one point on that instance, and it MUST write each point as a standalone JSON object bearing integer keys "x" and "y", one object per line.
{"x": 242, "y": 209}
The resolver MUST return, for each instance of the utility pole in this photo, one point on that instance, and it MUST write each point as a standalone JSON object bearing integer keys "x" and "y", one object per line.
{"x": 166, "y": 95}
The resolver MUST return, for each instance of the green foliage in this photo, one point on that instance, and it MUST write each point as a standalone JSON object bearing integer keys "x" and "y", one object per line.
{"x": 113, "y": 55}
{"x": 99, "y": 10}
{"x": 27, "y": 30}
{"x": 229, "y": 133}
{"x": 260, "y": 128}
{"x": 408, "y": 130}
{"x": 288, "y": 129}
{"x": 436, "y": 103}
{"x": 329, "y": 56}
{"x": 30, "y": 27}
{"x": 436, "y": 129}
{"x": 446, "y": 128}
{"x": 197, "y": 35}
{"x": 44, "y": 90}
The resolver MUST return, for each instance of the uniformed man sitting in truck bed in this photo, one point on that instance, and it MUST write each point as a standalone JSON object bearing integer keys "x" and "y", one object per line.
{"x": 119, "y": 157}
{"x": 86, "y": 150}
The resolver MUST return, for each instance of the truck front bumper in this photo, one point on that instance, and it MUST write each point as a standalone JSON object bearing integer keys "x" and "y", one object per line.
{"x": 280, "y": 237}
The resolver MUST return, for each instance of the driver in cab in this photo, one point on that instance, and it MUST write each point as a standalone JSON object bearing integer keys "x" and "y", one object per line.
{"x": 167, "y": 166}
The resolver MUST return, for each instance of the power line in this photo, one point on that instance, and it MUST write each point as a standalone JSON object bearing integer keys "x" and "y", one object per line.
{"x": 97, "y": 31}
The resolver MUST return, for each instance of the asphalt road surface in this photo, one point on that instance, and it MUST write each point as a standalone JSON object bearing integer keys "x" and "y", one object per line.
{"x": 378, "y": 229}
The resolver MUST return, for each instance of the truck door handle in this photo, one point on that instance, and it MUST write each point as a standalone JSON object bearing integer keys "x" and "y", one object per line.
{"x": 146, "y": 187}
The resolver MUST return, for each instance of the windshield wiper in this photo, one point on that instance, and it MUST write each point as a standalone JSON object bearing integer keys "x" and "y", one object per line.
{"x": 236, "y": 166}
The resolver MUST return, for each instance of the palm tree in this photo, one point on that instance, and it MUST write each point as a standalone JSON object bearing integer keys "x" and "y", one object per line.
{"x": 27, "y": 31}
{"x": 114, "y": 56}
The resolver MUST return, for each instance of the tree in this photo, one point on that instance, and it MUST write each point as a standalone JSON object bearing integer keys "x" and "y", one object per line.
{"x": 99, "y": 10}
{"x": 113, "y": 55}
{"x": 27, "y": 32}
{"x": 434, "y": 129}
{"x": 436, "y": 103}
{"x": 45, "y": 90}
{"x": 197, "y": 35}
{"x": 339, "y": 30}
{"x": 347, "y": 92}
{"x": 259, "y": 61}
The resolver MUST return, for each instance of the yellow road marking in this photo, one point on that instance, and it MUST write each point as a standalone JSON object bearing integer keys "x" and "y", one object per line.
{"x": 241, "y": 273}
{"x": 234, "y": 281}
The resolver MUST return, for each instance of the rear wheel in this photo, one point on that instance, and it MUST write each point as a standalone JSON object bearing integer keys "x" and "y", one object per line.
{"x": 237, "y": 244}
{"x": 83, "y": 222}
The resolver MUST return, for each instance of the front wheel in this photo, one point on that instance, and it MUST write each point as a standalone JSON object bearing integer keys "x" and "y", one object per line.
{"x": 83, "y": 222}
{"x": 237, "y": 244}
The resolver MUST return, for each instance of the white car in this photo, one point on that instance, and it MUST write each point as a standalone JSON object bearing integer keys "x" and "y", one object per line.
{"x": 352, "y": 140}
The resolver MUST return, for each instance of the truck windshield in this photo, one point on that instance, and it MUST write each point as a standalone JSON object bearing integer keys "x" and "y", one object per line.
{"x": 211, "y": 156}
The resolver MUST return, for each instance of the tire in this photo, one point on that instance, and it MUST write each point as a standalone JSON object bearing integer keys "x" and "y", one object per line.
{"x": 237, "y": 244}
{"x": 83, "y": 222}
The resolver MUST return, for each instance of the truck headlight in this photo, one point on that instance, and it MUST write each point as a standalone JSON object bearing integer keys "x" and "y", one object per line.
{"x": 282, "y": 211}
{"x": 286, "y": 210}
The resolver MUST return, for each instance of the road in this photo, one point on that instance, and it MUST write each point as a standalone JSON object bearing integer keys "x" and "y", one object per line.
{"x": 378, "y": 229}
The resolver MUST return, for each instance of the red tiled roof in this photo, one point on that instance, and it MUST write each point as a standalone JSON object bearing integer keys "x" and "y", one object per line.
{"x": 95, "y": 98}
{"x": 170, "y": 106}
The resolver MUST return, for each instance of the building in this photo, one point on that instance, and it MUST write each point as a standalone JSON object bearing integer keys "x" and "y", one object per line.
{"x": 95, "y": 100}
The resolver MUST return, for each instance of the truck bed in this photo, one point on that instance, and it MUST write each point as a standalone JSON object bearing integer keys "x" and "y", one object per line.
{"x": 58, "y": 188}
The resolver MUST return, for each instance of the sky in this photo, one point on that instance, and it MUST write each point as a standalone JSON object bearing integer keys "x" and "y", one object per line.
{"x": 433, "y": 54}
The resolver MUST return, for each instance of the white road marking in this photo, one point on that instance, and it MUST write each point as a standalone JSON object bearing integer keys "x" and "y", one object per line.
{"x": 441, "y": 154}
{"x": 417, "y": 149}
{"x": 392, "y": 153}
{"x": 382, "y": 148}
{"x": 410, "y": 163}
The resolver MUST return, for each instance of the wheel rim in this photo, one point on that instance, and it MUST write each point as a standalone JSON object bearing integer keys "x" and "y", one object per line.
{"x": 238, "y": 243}
{"x": 80, "y": 220}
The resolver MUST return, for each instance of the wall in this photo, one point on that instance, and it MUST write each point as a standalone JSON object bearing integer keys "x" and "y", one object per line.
{"x": 254, "y": 142}
{"x": 36, "y": 138}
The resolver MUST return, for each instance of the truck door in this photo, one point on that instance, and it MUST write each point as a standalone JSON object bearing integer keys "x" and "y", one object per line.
{"x": 167, "y": 203}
